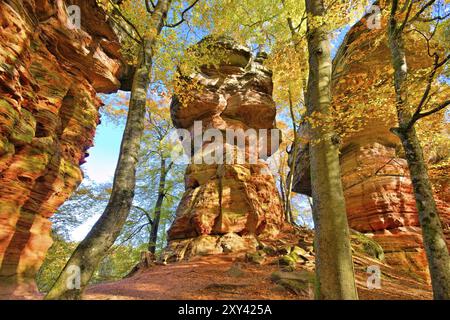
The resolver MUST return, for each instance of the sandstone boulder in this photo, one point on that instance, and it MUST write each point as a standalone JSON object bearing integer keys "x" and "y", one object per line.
{"x": 228, "y": 198}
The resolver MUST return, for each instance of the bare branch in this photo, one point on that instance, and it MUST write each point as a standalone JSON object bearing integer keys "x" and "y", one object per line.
{"x": 405, "y": 21}
{"x": 134, "y": 233}
{"x": 120, "y": 14}
{"x": 301, "y": 21}
{"x": 436, "y": 18}
{"x": 173, "y": 25}
{"x": 126, "y": 31}
{"x": 428, "y": 39}
{"x": 418, "y": 114}
{"x": 417, "y": 16}
{"x": 291, "y": 25}
{"x": 170, "y": 166}
{"x": 149, "y": 5}
{"x": 422, "y": 10}
{"x": 383, "y": 166}
{"x": 260, "y": 21}
{"x": 145, "y": 212}
{"x": 392, "y": 20}
{"x": 434, "y": 110}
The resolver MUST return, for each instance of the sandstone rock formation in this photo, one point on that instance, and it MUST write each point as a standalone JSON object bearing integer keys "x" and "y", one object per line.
{"x": 377, "y": 187}
{"x": 226, "y": 206}
{"x": 49, "y": 77}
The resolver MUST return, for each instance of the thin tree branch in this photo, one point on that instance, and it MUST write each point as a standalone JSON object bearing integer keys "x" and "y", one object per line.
{"x": 418, "y": 114}
{"x": 126, "y": 31}
{"x": 259, "y": 21}
{"x": 427, "y": 39}
{"x": 392, "y": 20}
{"x": 301, "y": 21}
{"x": 117, "y": 10}
{"x": 170, "y": 166}
{"x": 384, "y": 165}
{"x": 434, "y": 110}
{"x": 427, "y": 5}
{"x": 405, "y": 21}
{"x": 145, "y": 212}
{"x": 291, "y": 22}
{"x": 291, "y": 25}
{"x": 439, "y": 18}
{"x": 134, "y": 233}
{"x": 173, "y": 25}
{"x": 148, "y": 5}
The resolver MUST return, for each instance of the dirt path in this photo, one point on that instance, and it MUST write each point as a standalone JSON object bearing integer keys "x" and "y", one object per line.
{"x": 227, "y": 277}
{"x": 204, "y": 278}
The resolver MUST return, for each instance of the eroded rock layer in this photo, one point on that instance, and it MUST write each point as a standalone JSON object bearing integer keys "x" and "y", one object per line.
{"x": 227, "y": 206}
{"x": 49, "y": 76}
{"x": 378, "y": 190}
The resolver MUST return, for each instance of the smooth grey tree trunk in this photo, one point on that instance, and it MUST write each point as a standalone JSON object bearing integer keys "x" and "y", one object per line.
{"x": 433, "y": 237}
{"x": 294, "y": 150}
{"x": 86, "y": 257}
{"x": 157, "y": 210}
{"x": 334, "y": 266}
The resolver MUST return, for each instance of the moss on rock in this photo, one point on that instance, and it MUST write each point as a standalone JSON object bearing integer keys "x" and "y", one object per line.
{"x": 298, "y": 282}
{"x": 364, "y": 244}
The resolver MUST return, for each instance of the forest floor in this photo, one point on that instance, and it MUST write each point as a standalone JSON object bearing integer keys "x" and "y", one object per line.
{"x": 229, "y": 276}
{"x": 240, "y": 276}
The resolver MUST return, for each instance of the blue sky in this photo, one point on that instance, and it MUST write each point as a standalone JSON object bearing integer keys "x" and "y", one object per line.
{"x": 103, "y": 156}
{"x": 100, "y": 165}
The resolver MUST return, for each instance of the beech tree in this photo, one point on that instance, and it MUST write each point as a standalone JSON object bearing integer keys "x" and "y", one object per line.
{"x": 103, "y": 234}
{"x": 281, "y": 29}
{"x": 403, "y": 15}
{"x": 158, "y": 180}
{"x": 334, "y": 266}
{"x": 158, "y": 126}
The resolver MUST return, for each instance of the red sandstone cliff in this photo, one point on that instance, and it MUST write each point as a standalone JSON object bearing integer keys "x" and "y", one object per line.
{"x": 49, "y": 77}
{"x": 226, "y": 206}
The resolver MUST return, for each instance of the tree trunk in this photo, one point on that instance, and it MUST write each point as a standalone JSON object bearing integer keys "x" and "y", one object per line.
{"x": 294, "y": 150}
{"x": 283, "y": 198}
{"x": 433, "y": 237}
{"x": 103, "y": 234}
{"x": 334, "y": 266}
{"x": 157, "y": 211}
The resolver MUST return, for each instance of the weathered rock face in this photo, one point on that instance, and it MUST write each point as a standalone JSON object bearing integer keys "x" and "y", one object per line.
{"x": 49, "y": 77}
{"x": 378, "y": 190}
{"x": 226, "y": 206}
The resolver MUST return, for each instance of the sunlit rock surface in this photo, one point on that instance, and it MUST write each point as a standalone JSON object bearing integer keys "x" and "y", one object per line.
{"x": 49, "y": 77}
{"x": 227, "y": 206}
